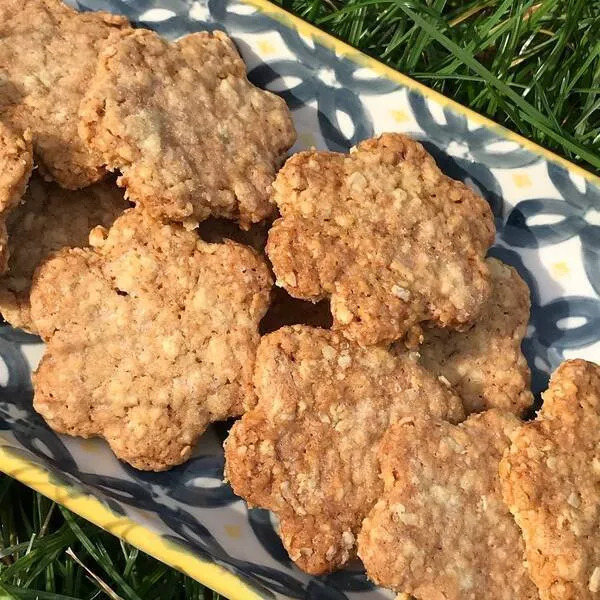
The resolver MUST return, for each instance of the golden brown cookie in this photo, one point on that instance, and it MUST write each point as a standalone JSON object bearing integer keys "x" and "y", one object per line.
{"x": 485, "y": 364}
{"x": 16, "y": 163}
{"x": 191, "y": 135}
{"x": 386, "y": 235}
{"x": 441, "y": 529}
{"x": 551, "y": 482}
{"x": 48, "y": 53}
{"x": 151, "y": 335}
{"x": 49, "y": 219}
{"x": 307, "y": 451}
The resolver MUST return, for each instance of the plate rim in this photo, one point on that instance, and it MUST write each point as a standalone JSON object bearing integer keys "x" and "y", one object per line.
{"x": 172, "y": 553}
{"x": 87, "y": 506}
{"x": 344, "y": 49}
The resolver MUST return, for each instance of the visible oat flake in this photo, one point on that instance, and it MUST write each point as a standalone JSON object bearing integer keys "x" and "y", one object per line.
{"x": 401, "y": 293}
{"x": 344, "y": 361}
{"x": 594, "y": 583}
{"x": 445, "y": 381}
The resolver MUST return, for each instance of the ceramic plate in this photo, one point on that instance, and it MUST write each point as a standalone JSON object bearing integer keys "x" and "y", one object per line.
{"x": 548, "y": 218}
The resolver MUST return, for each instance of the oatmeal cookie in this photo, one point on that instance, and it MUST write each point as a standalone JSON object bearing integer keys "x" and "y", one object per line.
{"x": 551, "y": 482}
{"x": 485, "y": 364}
{"x": 16, "y": 163}
{"x": 307, "y": 451}
{"x": 152, "y": 335}
{"x": 191, "y": 135}
{"x": 441, "y": 528}
{"x": 386, "y": 235}
{"x": 48, "y": 53}
{"x": 49, "y": 219}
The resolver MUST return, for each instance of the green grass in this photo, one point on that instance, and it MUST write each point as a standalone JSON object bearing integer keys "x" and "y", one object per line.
{"x": 533, "y": 66}
{"x": 47, "y": 553}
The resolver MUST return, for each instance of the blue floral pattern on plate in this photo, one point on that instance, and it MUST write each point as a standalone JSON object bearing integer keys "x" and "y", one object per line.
{"x": 548, "y": 224}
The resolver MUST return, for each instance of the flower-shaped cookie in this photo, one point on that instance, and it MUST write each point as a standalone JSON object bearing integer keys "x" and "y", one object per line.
{"x": 48, "y": 53}
{"x": 485, "y": 364}
{"x": 441, "y": 529}
{"x": 308, "y": 450}
{"x": 49, "y": 219}
{"x": 551, "y": 482}
{"x": 385, "y": 234}
{"x": 16, "y": 163}
{"x": 151, "y": 335}
{"x": 191, "y": 135}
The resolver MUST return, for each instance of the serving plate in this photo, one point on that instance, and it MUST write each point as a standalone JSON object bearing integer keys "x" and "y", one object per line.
{"x": 547, "y": 214}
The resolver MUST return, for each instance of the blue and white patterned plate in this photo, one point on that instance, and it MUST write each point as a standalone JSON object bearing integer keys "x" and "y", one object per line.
{"x": 548, "y": 218}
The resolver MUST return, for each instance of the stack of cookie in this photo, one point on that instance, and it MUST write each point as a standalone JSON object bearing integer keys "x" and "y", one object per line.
{"x": 151, "y": 331}
{"x": 396, "y": 434}
{"x": 380, "y": 383}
